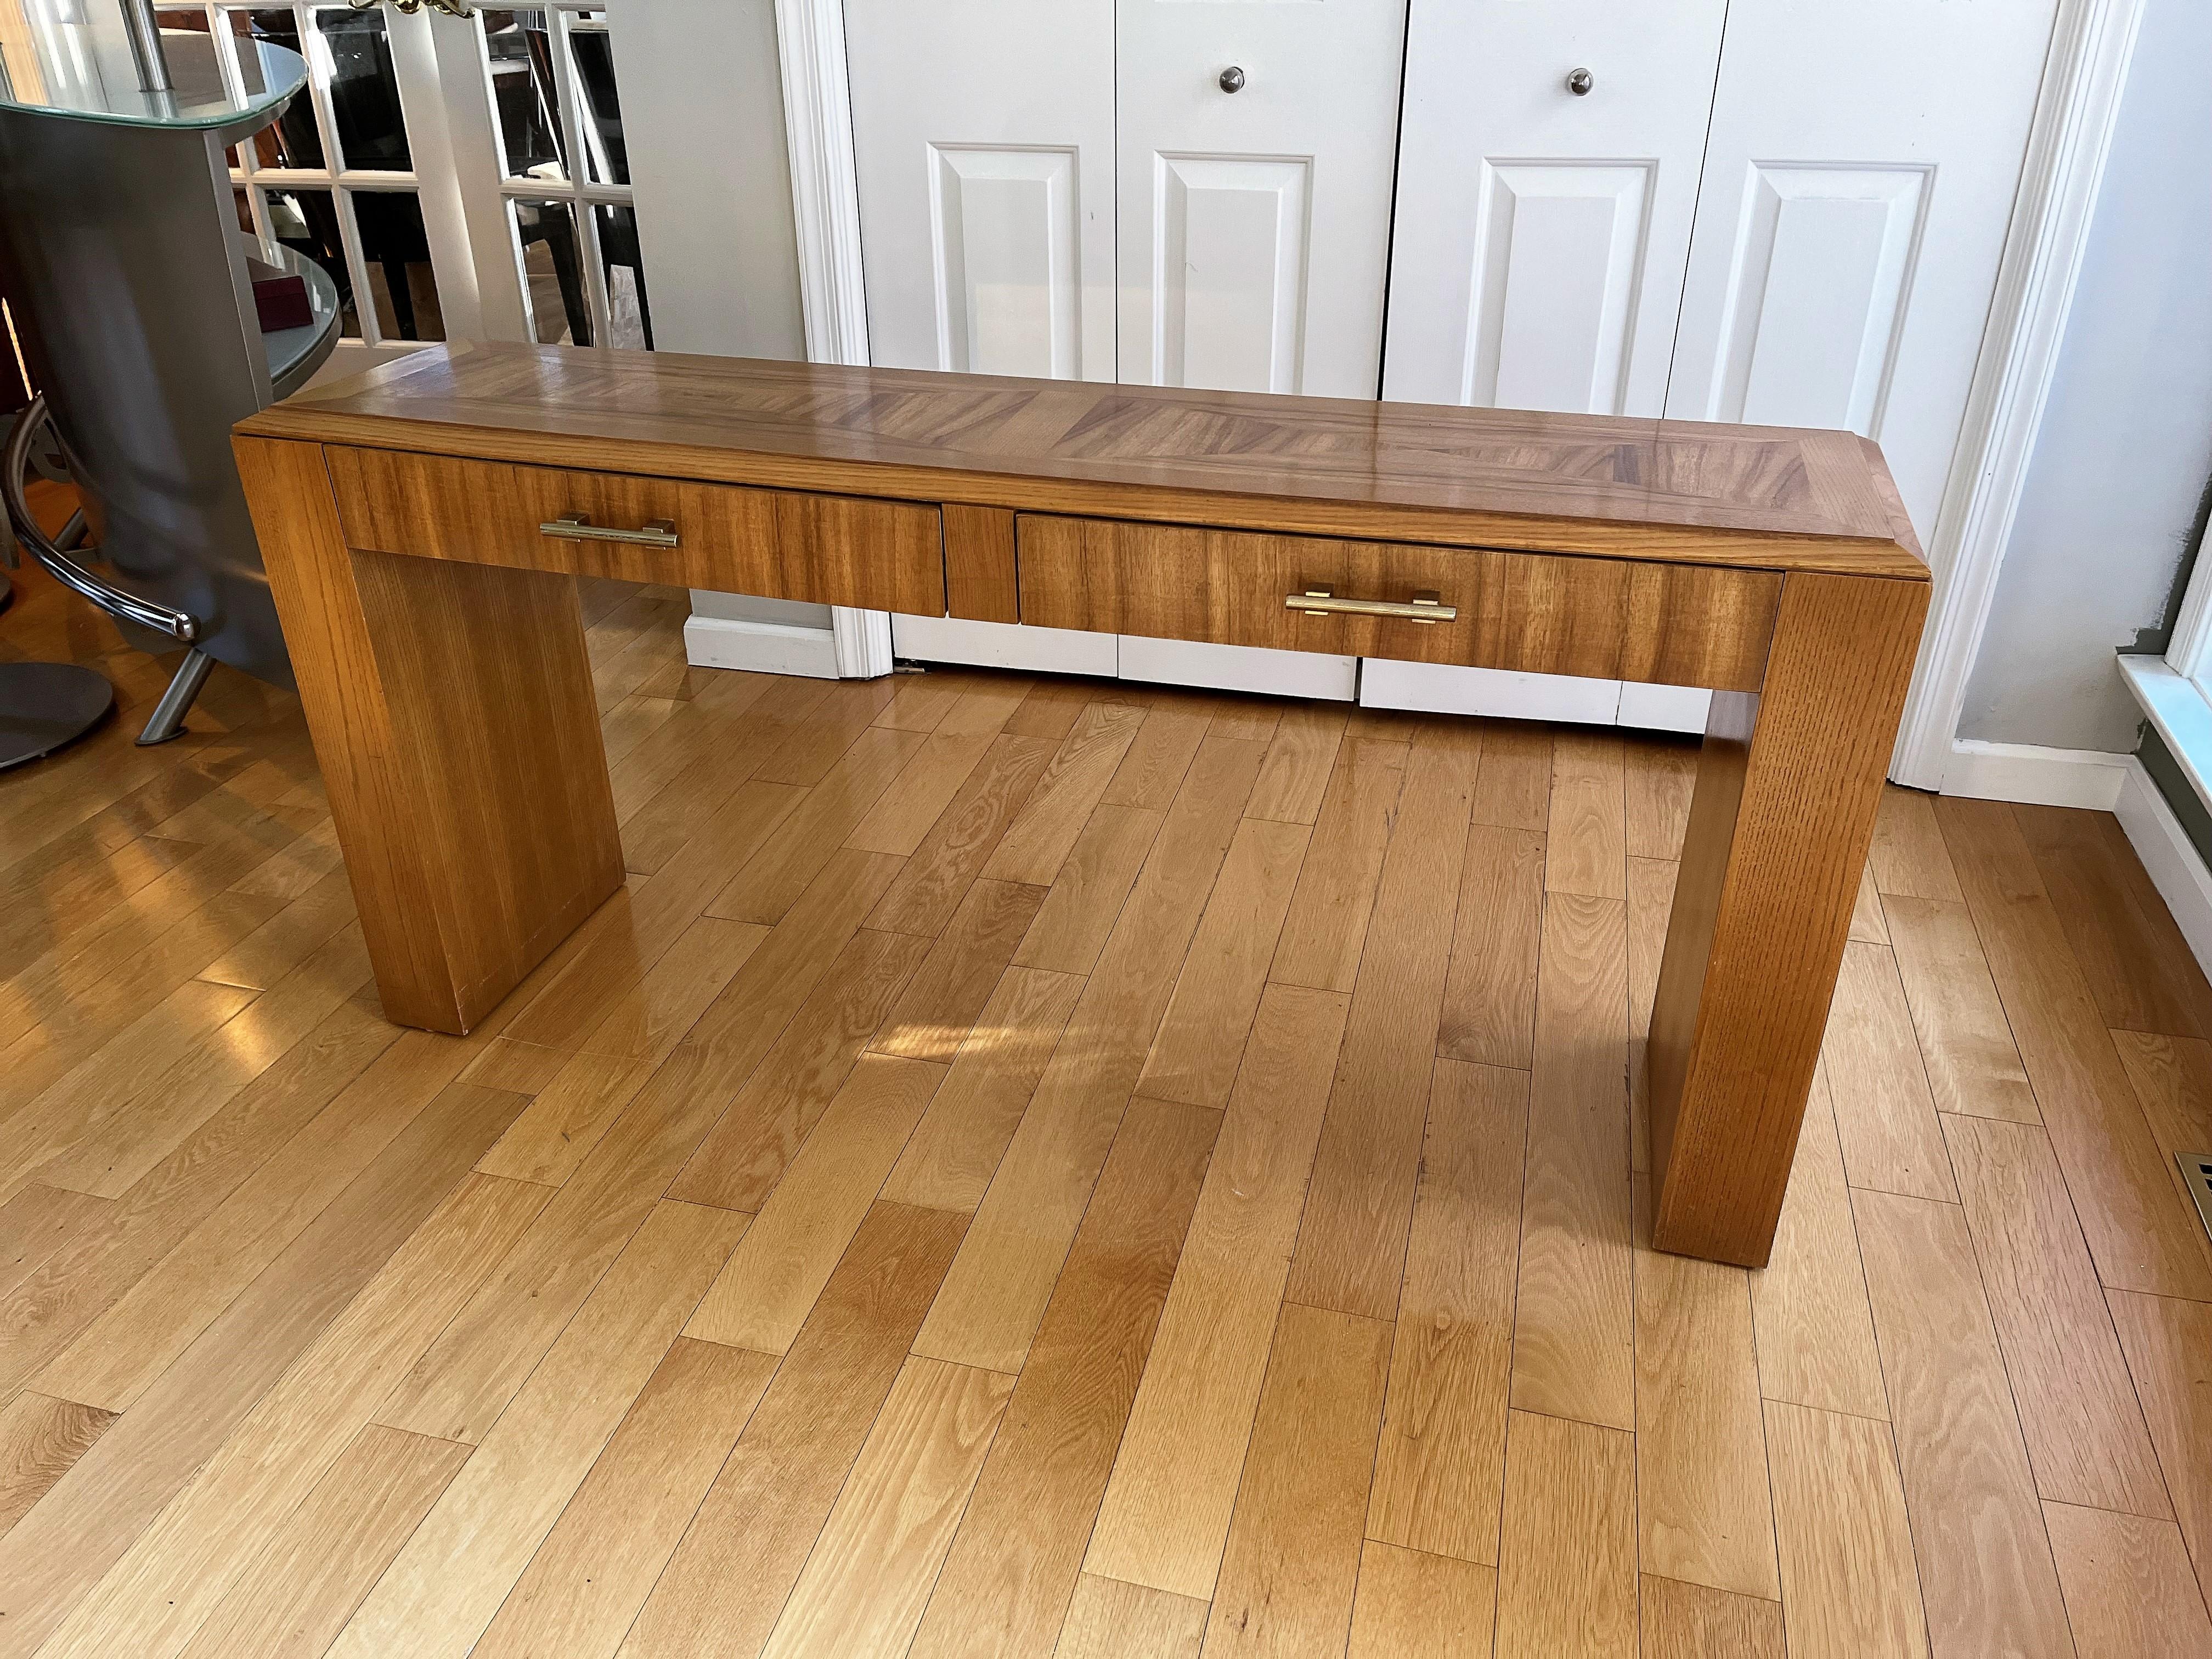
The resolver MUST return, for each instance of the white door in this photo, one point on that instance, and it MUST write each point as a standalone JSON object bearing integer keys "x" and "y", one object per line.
{"x": 1547, "y": 178}
{"x": 1258, "y": 142}
{"x": 1859, "y": 181}
{"x": 1235, "y": 240}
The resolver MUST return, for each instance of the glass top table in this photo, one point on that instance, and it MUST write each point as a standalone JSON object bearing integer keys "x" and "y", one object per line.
{"x": 200, "y": 98}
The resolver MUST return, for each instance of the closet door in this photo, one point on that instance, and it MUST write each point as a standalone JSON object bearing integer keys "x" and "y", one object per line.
{"x": 1255, "y": 221}
{"x": 1257, "y": 145}
{"x": 983, "y": 141}
{"x": 1541, "y": 241}
{"x": 1859, "y": 181}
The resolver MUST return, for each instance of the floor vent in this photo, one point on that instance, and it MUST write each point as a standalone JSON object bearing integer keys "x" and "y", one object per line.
{"x": 2197, "y": 1171}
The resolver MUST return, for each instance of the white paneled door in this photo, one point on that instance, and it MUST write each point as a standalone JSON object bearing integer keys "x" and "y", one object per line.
{"x": 1546, "y": 184}
{"x": 1256, "y": 146}
{"x": 1859, "y": 179}
{"x": 983, "y": 137}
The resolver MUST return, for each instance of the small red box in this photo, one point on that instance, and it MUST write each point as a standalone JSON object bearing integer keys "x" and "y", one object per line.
{"x": 280, "y": 297}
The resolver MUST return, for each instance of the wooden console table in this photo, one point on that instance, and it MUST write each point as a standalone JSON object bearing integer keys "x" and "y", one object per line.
{"x": 421, "y": 527}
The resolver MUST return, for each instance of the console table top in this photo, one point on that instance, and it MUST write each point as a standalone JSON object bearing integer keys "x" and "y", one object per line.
{"x": 1762, "y": 497}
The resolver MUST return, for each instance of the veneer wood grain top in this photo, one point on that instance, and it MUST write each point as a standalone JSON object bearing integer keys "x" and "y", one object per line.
{"x": 1762, "y": 497}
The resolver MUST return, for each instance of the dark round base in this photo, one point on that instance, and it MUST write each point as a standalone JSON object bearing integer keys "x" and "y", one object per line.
{"x": 45, "y": 705}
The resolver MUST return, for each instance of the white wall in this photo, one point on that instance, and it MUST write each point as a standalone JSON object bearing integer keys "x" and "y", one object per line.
{"x": 2126, "y": 448}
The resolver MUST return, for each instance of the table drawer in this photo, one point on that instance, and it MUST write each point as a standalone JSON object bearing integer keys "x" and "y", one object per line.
{"x": 1677, "y": 624}
{"x": 777, "y": 543}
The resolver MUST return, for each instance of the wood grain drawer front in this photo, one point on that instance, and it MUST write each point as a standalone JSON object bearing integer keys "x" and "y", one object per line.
{"x": 777, "y": 543}
{"x": 1535, "y": 613}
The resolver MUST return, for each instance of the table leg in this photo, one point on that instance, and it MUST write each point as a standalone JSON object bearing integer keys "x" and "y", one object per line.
{"x": 1788, "y": 786}
{"x": 452, "y": 713}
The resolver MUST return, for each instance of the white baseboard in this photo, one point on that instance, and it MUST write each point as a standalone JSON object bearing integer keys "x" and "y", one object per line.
{"x": 765, "y": 648}
{"x": 2176, "y": 870}
{"x": 2034, "y": 775}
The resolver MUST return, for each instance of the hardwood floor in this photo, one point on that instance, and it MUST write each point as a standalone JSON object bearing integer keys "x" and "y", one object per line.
{"x": 1035, "y": 1167}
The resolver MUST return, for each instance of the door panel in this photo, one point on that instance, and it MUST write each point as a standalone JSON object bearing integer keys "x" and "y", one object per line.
{"x": 1005, "y": 244}
{"x": 1254, "y": 225}
{"x": 1540, "y": 235}
{"x": 983, "y": 140}
{"x": 1847, "y": 244}
{"x": 1230, "y": 267}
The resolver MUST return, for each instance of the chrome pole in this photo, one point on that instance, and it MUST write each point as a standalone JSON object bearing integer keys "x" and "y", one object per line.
{"x": 144, "y": 28}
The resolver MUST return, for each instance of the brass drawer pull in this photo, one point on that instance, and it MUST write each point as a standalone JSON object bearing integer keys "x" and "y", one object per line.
{"x": 575, "y": 527}
{"x": 1426, "y": 607}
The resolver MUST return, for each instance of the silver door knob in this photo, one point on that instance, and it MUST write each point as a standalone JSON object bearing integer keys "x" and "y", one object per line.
{"x": 1232, "y": 79}
{"x": 1579, "y": 82}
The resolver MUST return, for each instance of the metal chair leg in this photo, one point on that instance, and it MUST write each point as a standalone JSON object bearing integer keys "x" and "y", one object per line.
{"x": 168, "y": 719}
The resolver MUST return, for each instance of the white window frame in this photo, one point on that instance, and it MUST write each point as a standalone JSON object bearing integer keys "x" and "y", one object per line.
{"x": 2175, "y": 689}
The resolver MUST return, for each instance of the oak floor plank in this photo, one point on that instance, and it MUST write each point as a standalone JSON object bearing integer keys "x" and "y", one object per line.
{"x": 41, "y": 1439}
{"x": 464, "y": 1382}
{"x": 1410, "y": 1605}
{"x": 1586, "y": 838}
{"x": 586, "y": 1581}
{"x": 446, "y": 1583}
{"x": 1849, "y": 1587}
{"x": 931, "y": 781}
{"x": 2129, "y": 1589}
{"x": 1052, "y": 706}
{"x": 1704, "y": 1513}
{"x": 1291, "y": 1561}
{"x": 806, "y": 843}
{"x": 746, "y": 1152}
{"x": 1869, "y": 926}
{"x": 1566, "y": 1575}
{"x": 272, "y": 951}
{"x": 1490, "y": 993}
{"x": 1973, "y": 1065}
{"x": 1352, "y": 1242}
{"x": 38, "y": 1221}
{"x": 1086, "y": 896}
{"x": 1194, "y": 1057}
{"x": 1659, "y": 776}
{"x": 2171, "y": 1078}
{"x": 1440, "y": 1466}
{"x": 243, "y": 1165}
{"x": 1158, "y": 757}
{"x": 566, "y": 1117}
{"x": 1110, "y": 1619}
{"x": 2086, "y": 1437}
{"x": 1650, "y": 905}
{"x": 734, "y": 1567}
{"x": 1037, "y": 842}
{"x": 1296, "y": 774}
{"x": 998, "y": 1287}
{"x": 1327, "y": 926}
{"x": 176, "y": 1572}
{"x": 945, "y": 996}
{"x": 1809, "y": 1307}
{"x": 761, "y": 1297}
{"x": 1574, "y": 1316}
{"x": 949, "y": 1160}
{"x": 2168, "y": 1344}
{"x": 1908, "y": 857}
{"x": 297, "y": 1595}
{"x": 2140, "y": 1228}
{"x": 57, "y": 1552}
{"x": 1513, "y": 785}
{"x": 966, "y": 833}
{"x": 1167, "y": 1507}
{"x": 870, "y": 1573}
{"x": 840, "y": 717}
{"x": 2139, "y": 968}
{"x": 1005, "y": 1586}
{"x": 677, "y": 826}
{"x": 1878, "y": 1083}
{"x": 1690, "y": 1621}
{"x": 1986, "y": 1572}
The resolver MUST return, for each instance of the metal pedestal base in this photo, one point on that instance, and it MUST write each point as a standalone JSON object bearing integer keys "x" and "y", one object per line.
{"x": 45, "y": 705}
{"x": 168, "y": 719}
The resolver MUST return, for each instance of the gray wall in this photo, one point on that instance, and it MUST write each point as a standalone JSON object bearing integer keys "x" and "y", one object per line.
{"x": 2121, "y": 464}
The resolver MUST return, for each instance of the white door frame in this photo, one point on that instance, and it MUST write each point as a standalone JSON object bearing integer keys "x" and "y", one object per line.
{"x": 2075, "y": 111}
